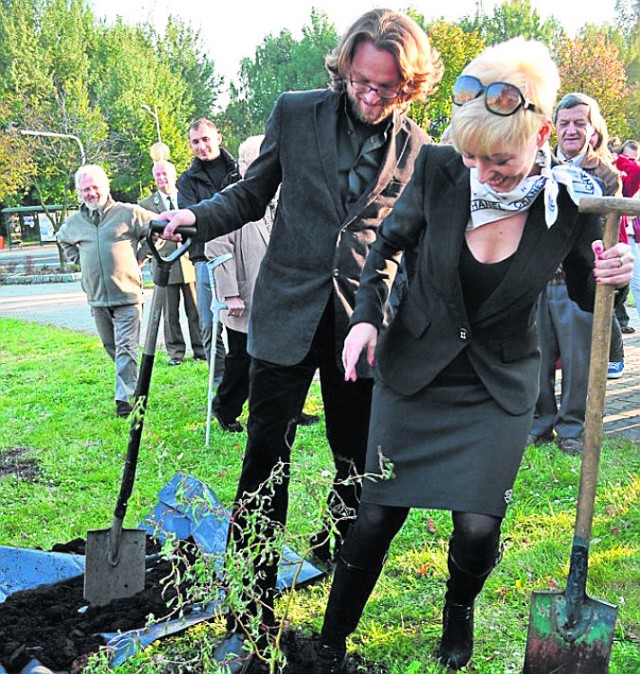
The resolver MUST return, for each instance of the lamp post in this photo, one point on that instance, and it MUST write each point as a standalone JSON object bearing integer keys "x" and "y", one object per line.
{"x": 15, "y": 127}
{"x": 154, "y": 114}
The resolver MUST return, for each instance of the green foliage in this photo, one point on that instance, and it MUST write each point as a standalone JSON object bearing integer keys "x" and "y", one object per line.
{"x": 456, "y": 49}
{"x": 513, "y": 18}
{"x": 63, "y": 71}
{"x": 592, "y": 66}
{"x": 281, "y": 63}
{"x": 16, "y": 164}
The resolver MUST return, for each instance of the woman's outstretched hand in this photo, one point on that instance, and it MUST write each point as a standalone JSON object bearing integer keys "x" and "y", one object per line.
{"x": 361, "y": 336}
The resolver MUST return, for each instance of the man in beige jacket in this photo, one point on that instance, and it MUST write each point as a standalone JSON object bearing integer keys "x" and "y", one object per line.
{"x": 105, "y": 236}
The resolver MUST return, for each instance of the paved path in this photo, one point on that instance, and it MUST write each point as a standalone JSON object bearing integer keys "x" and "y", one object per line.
{"x": 64, "y": 305}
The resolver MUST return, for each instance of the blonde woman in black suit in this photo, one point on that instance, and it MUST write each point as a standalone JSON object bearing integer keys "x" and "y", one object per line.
{"x": 457, "y": 369}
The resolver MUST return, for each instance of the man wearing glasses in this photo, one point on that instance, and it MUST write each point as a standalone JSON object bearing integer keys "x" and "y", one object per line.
{"x": 341, "y": 158}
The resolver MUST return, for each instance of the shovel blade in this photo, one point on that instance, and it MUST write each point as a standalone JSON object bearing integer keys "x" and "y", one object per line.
{"x": 554, "y": 647}
{"x": 106, "y": 580}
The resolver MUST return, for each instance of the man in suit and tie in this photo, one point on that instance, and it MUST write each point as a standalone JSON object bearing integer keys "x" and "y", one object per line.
{"x": 182, "y": 276}
{"x": 341, "y": 158}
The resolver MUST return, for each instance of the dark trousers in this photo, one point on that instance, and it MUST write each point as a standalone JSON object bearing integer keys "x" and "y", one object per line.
{"x": 619, "y": 308}
{"x": 173, "y": 337}
{"x": 277, "y": 395}
{"x": 234, "y": 387}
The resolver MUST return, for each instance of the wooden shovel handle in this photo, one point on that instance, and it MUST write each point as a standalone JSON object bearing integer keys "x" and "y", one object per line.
{"x": 600, "y": 341}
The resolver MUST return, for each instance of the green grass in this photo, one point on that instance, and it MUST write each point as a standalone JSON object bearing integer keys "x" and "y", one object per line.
{"x": 56, "y": 403}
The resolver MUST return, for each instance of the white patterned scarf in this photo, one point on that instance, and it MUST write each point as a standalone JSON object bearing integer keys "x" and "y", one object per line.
{"x": 488, "y": 205}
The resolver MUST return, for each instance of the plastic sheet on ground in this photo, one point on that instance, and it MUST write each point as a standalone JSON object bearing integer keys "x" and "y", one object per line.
{"x": 25, "y": 569}
{"x": 187, "y": 508}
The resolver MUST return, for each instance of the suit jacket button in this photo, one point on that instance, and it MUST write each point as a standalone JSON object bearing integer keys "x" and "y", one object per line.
{"x": 336, "y": 272}
{"x": 464, "y": 334}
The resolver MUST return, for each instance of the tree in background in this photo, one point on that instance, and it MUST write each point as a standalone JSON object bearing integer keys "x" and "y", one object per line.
{"x": 592, "y": 66}
{"x": 628, "y": 22}
{"x": 513, "y": 18}
{"x": 281, "y": 63}
{"x": 63, "y": 71}
{"x": 456, "y": 49}
{"x": 16, "y": 162}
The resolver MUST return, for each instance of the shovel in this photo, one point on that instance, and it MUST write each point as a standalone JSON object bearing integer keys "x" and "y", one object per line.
{"x": 216, "y": 307}
{"x": 115, "y": 557}
{"x": 570, "y": 632}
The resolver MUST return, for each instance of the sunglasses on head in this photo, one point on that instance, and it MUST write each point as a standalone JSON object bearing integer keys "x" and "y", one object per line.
{"x": 500, "y": 98}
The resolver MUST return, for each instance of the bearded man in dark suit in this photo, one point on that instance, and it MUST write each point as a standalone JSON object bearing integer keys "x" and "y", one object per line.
{"x": 341, "y": 157}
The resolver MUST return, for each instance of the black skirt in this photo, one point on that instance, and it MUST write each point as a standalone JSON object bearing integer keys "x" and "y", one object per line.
{"x": 452, "y": 448}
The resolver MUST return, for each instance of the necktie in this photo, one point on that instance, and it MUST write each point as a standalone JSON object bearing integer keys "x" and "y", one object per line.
{"x": 95, "y": 217}
{"x": 169, "y": 203}
{"x": 365, "y": 168}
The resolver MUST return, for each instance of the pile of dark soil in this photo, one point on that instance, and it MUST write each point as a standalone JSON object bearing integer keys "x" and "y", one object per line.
{"x": 47, "y": 623}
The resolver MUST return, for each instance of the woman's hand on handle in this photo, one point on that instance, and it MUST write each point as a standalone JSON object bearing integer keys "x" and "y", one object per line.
{"x": 613, "y": 266}
{"x": 361, "y": 336}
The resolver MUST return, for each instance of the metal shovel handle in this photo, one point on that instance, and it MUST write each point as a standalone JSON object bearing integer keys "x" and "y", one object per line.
{"x": 146, "y": 368}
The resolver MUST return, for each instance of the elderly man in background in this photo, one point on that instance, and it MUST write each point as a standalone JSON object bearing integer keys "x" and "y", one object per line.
{"x": 182, "y": 277}
{"x": 563, "y": 328}
{"x": 104, "y": 237}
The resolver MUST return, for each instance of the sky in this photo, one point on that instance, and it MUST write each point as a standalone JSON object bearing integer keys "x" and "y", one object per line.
{"x": 232, "y": 29}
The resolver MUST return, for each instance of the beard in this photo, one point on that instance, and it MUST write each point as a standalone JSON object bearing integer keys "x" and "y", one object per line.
{"x": 370, "y": 115}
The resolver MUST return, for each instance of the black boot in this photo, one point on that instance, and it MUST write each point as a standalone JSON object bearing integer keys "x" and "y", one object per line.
{"x": 350, "y": 591}
{"x": 456, "y": 646}
{"x": 464, "y": 585}
{"x": 329, "y": 660}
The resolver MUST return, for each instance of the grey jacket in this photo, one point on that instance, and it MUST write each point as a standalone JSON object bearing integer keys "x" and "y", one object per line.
{"x": 108, "y": 254}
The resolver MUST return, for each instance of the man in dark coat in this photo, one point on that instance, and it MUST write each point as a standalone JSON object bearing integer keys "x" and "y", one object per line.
{"x": 211, "y": 170}
{"x": 341, "y": 157}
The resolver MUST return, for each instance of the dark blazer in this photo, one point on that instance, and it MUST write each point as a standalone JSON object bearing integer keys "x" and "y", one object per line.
{"x": 182, "y": 270}
{"x": 431, "y": 326}
{"x": 316, "y": 247}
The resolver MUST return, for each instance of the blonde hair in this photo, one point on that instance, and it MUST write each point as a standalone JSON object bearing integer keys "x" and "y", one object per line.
{"x": 418, "y": 62}
{"x": 526, "y": 64}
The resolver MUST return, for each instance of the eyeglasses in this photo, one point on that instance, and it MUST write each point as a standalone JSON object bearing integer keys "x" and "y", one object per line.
{"x": 500, "y": 98}
{"x": 386, "y": 93}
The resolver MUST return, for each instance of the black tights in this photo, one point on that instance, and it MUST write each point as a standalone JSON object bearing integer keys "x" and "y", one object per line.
{"x": 474, "y": 542}
{"x": 473, "y": 552}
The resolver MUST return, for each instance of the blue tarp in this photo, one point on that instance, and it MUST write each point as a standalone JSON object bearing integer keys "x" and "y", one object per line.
{"x": 187, "y": 508}
{"x": 25, "y": 569}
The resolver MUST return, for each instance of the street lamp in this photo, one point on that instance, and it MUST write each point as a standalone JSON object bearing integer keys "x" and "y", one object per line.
{"x": 154, "y": 114}
{"x": 15, "y": 128}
